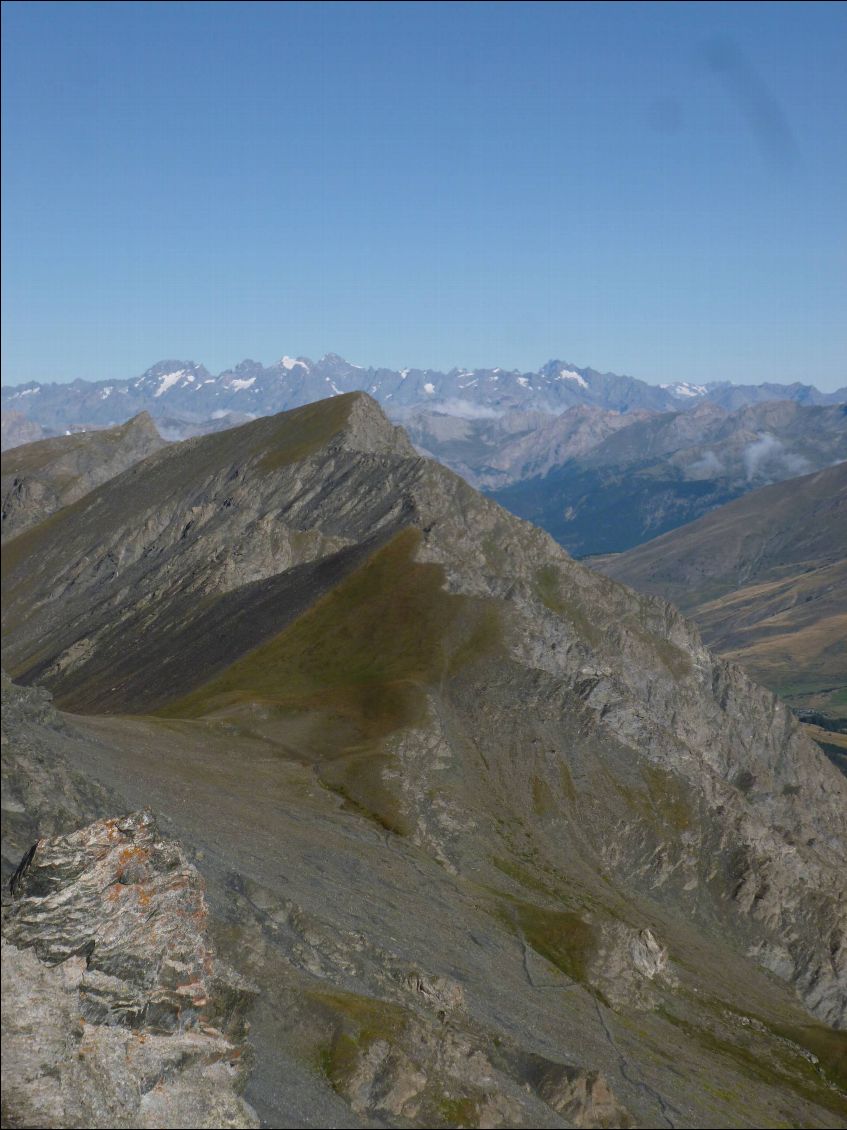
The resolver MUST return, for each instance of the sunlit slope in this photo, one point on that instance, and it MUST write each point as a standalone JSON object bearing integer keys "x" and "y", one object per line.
{"x": 765, "y": 578}
{"x": 364, "y": 652}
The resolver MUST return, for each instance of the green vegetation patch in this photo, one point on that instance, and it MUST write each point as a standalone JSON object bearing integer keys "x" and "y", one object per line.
{"x": 460, "y": 1112}
{"x": 568, "y": 787}
{"x": 828, "y": 1045}
{"x": 358, "y": 664}
{"x": 362, "y": 779}
{"x": 543, "y": 801}
{"x": 665, "y": 805}
{"x": 365, "y": 652}
{"x": 781, "y": 1062}
{"x": 668, "y": 798}
{"x": 303, "y": 431}
{"x": 561, "y": 936}
{"x": 523, "y": 876}
{"x": 358, "y": 1022}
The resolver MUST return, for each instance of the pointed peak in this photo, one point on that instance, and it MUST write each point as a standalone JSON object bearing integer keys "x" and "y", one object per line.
{"x": 140, "y": 419}
{"x": 162, "y": 367}
{"x": 351, "y": 421}
{"x": 141, "y": 424}
{"x": 370, "y": 430}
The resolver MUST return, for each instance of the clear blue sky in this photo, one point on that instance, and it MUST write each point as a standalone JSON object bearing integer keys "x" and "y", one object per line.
{"x": 654, "y": 189}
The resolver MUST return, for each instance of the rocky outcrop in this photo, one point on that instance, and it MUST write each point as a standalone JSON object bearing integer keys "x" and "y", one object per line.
{"x": 116, "y": 1011}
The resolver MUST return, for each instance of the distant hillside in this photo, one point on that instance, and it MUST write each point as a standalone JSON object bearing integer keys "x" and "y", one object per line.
{"x": 765, "y": 577}
{"x": 40, "y": 478}
{"x": 663, "y": 471}
{"x": 16, "y": 429}
{"x": 493, "y": 452}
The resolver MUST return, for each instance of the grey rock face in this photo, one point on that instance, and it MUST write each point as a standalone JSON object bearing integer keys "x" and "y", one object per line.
{"x": 42, "y": 795}
{"x": 115, "y": 1010}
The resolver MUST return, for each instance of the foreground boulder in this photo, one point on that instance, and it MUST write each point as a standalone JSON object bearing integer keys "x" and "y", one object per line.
{"x": 116, "y": 1011}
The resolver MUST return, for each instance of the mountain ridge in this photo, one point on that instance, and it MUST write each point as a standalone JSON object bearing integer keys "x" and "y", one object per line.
{"x": 40, "y": 478}
{"x": 187, "y": 390}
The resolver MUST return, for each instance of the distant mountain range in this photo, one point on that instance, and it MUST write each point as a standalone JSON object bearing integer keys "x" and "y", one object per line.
{"x": 662, "y": 471}
{"x": 184, "y": 397}
{"x": 602, "y": 462}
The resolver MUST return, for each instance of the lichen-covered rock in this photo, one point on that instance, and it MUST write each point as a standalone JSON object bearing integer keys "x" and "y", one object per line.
{"x": 116, "y": 1011}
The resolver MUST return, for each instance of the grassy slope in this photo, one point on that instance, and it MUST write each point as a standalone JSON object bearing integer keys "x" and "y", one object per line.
{"x": 353, "y": 669}
{"x": 364, "y": 652}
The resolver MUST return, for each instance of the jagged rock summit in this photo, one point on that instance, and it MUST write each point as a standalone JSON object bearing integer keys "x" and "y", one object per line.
{"x": 458, "y": 797}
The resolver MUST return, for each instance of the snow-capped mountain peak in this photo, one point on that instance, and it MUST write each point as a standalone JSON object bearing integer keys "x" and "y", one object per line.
{"x": 185, "y": 393}
{"x": 684, "y": 389}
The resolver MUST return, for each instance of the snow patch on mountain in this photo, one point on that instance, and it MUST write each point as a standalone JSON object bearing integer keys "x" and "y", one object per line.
{"x": 570, "y": 375}
{"x": 168, "y": 380}
{"x": 683, "y": 388}
{"x": 290, "y": 363}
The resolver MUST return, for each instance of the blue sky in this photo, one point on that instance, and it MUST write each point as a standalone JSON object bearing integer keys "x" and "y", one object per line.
{"x": 653, "y": 189}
